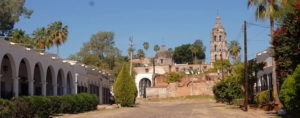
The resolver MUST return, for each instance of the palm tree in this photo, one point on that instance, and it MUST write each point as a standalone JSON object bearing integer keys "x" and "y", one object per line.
{"x": 146, "y": 46}
{"x": 58, "y": 33}
{"x": 156, "y": 48}
{"x": 140, "y": 54}
{"x": 41, "y": 39}
{"x": 234, "y": 49}
{"x": 194, "y": 51}
{"x": 269, "y": 9}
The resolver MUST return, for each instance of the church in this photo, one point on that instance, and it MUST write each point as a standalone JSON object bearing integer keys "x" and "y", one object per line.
{"x": 149, "y": 68}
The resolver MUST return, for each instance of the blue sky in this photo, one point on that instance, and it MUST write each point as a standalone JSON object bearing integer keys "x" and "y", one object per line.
{"x": 169, "y": 22}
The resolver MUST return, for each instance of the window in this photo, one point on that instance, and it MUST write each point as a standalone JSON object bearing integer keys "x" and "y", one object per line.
{"x": 161, "y": 60}
{"x": 216, "y": 57}
{"x": 215, "y": 47}
{"x": 146, "y": 70}
{"x": 221, "y": 49}
{"x": 220, "y": 56}
{"x": 215, "y": 38}
{"x": 220, "y": 38}
{"x": 177, "y": 69}
{"x": 191, "y": 68}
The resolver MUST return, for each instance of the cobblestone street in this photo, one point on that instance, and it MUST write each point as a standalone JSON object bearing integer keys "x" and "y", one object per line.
{"x": 203, "y": 108}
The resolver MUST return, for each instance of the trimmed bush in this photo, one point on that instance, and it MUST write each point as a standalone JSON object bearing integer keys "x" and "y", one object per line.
{"x": 227, "y": 89}
{"x": 125, "y": 90}
{"x": 23, "y": 106}
{"x": 6, "y": 109}
{"x": 263, "y": 97}
{"x": 55, "y": 102}
{"x": 40, "y": 106}
{"x": 290, "y": 92}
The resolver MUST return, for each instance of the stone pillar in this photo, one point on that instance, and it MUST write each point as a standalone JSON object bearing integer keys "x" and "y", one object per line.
{"x": 64, "y": 90}
{"x": 74, "y": 90}
{"x": 0, "y": 84}
{"x": 31, "y": 86}
{"x": 44, "y": 88}
{"x": 54, "y": 89}
{"x": 100, "y": 93}
{"x": 16, "y": 86}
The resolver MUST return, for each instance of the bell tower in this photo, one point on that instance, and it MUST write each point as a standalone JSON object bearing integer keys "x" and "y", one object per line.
{"x": 218, "y": 42}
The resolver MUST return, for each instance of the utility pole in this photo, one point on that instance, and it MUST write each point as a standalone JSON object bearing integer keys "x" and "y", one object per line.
{"x": 246, "y": 66}
{"x": 222, "y": 64}
{"x": 131, "y": 51}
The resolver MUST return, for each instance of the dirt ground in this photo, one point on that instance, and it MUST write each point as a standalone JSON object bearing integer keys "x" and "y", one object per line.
{"x": 196, "y": 108}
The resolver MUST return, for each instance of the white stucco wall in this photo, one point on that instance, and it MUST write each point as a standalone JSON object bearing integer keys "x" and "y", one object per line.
{"x": 139, "y": 77}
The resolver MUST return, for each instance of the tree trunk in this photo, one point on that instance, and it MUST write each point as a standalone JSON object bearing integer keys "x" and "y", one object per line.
{"x": 57, "y": 53}
{"x": 274, "y": 77}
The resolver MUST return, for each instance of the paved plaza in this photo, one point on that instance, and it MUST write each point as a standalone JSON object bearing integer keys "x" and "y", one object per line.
{"x": 202, "y": 108}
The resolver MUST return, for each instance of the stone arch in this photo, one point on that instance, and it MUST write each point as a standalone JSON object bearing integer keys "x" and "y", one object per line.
{"x": 25, "y": 77}
{"x": 8, "y": 72}
{"x": 69, "y": 83}
{"x": 50, "y": 75}
{"x": 60, "y": 83}
{"x": 38, "y": 78}
{"x": 143, "y": 84}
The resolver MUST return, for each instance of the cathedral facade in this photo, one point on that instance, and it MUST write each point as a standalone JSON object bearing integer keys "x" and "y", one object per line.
{"x": 218, "y": 42}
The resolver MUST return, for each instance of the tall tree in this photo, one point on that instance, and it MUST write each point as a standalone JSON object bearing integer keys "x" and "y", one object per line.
{"x": 183, "y": 54}
{"x": 58, "y": 33}
{"x": 156, "y": 48}
{"x": 199, "y": 43}
{"x": 41, "y": 39}
{"x": 171, "y": 50}
{"x": 194, "y": 51}
{"x": 234, "y": 49}
{"x": 19, "y": 36}
{"x": 10, "y": 12}
{"x": 140, "y": 54}
{"x": 146, "y": 46}
{"x": 269, "y": 9}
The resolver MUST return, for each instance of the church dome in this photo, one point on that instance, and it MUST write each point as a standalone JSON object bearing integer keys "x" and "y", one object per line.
{"x": 163, "y": 53}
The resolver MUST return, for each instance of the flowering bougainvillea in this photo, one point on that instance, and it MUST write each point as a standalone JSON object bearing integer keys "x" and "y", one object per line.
{"x": 286, "y": 43}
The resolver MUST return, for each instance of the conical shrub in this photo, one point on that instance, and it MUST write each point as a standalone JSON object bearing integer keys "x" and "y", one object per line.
{"x": 125, "y": 90}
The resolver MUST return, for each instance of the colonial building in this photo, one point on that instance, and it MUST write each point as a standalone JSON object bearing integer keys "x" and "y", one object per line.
{"x": 218, "y": 42}
{"x": 27, "y": 72}
{"x": 264, "y": 77}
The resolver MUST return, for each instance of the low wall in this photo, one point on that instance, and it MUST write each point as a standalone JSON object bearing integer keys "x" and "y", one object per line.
{"x": 193, "y": 85}
{"x": 156, "y": 92}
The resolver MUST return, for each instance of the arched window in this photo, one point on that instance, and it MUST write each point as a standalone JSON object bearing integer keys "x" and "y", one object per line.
{"x": 215, "y": 38}
{"x": 216, "y": 57}
{"x": 220, "y": 38}
{"x": 220, "y": 56}
{"x": 221, "y": 49}
{"x": 215, "y": 47}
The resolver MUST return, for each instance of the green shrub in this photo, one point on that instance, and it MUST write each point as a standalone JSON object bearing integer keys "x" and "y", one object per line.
{"x": 263, "y": 97}
{"x": 173, "y": 77}
{"x": 23, "y": 107}
{"x": 290, "y": 92}
{"x": 227, "y": 89}
{"x": 55, "y": 102}
{"x": 41, "y": 106}
{"x": 6, "y": 109}
{"x": 124, "y": 88}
